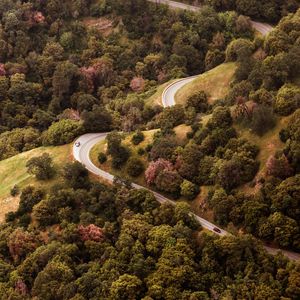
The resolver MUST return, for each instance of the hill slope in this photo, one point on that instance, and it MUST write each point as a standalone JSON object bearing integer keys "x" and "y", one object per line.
{"x": 13, "y": 172}
{"x": 215, "y": 83}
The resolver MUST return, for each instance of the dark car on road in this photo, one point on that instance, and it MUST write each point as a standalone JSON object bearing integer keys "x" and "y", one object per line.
{"x": 218, "y": 230}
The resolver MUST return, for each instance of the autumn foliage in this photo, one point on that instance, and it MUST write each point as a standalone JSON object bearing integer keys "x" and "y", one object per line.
{"x": 155, "y": 167}
{"x": 91, "y": 233}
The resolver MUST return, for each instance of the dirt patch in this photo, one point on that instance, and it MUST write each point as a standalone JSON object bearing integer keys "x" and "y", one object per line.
{"x": 104, "y": 25}
{"x": 8, "y": 204}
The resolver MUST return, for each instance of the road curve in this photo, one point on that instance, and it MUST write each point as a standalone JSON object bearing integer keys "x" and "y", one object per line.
{"x": 263, "y": 28}
{"x": 176, "y": 5}
{"x": 168, "y": 95}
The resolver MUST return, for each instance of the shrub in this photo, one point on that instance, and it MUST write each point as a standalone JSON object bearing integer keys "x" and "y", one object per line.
{"x": 221, "y": 117}
{"x": 137, "y": 138}
{"x": 76, "y": 175}
{"x": 169, "y": 181}
{"x": 198, "y": 101}
{"x": 134, "y": 167}
{"x": 239, "y": 49}
{"x": 15, "y": 190}
{"x": 141, "y": 151}
{"x": 189, "y": 190}
{"x": 263, "y": 119}
{"x": 278, "y": 166}
{"x": 102, "y": 158}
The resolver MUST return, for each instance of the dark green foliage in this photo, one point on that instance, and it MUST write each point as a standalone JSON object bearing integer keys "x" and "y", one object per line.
{"x": 171, "y": 117}
{"x": 169, "y": 181}
{"x": 163, "y": 147}
{"x": 97, "y": 120}
{"x": 18, "y": 140}
{"x": 102, "y": 158}
{"x": 59, "y": 70}
{"x": 137, "y": 138}
{"x": 262, "y": 119}
{"x": 239, "y": 49}
{"x": 221, "y": 117}
{"x": 292, "y": 138}
{"x": 270, "y": 11}
{"x": 118, "y": 152}
{"x": 287, "y": 100}
{"x": 141, "y": 151}
{"x": 41, "y": 167}
{"x": 76, "y": 175}
{"x": 198, "y": 101}
{"x": 15, "y": 190}
{"x": 62, "y": 132}
{"x": 134, "y": 167}
{"x": 29, "y": 197}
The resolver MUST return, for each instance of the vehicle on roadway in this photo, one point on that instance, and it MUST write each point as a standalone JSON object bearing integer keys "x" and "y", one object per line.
{"x": 77, "y": 144}
{"x": 216, "y": 229}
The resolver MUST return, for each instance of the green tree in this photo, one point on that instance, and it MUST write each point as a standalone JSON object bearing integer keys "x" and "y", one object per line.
{"x": 126, "y": 287}
{"x": 287, "y": 100}
{"x": 41, "y": 167}
{"x": 134, "y": 167}
{"x": 189, "y": 190}
{"x": 53, "y": 282}
{"x": 76, "y": 175}
{"x": 62, "y": 132}
{"x": 199, "y": 101}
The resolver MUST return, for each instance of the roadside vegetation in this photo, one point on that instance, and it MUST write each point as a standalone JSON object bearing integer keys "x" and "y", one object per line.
{"x": 229, "y": 148}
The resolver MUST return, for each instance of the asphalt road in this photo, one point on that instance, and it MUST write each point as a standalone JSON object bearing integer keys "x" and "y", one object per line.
{"x": 168, "y": 96}
{"x": 88, "y": 141}
{"x": 176, "y": 5}
{"x": 263, "y": 28}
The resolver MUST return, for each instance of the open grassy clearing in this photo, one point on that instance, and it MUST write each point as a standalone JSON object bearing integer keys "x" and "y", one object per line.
{"x": 215, "y": 83}
{"x": 13, "y": 172}
{"x": 269, "y": 143}
{"x": 107, "y": 166}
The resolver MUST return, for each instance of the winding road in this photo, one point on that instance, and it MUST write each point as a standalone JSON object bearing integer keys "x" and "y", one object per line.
{"x": 263, "y": 28}
{"x": 88, "y": 141}
{"x": 82, "y": 154}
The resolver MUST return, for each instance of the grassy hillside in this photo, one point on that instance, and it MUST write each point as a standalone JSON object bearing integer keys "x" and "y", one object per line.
{"x": 13, "y": 172}
{"x": 214, "y": 82}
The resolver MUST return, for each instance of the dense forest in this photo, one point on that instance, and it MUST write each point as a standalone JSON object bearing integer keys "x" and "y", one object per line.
{"x": 80, "y": 66}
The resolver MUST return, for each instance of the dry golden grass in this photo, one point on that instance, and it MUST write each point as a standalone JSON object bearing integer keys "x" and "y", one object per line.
{"x": 215, "y": 83}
